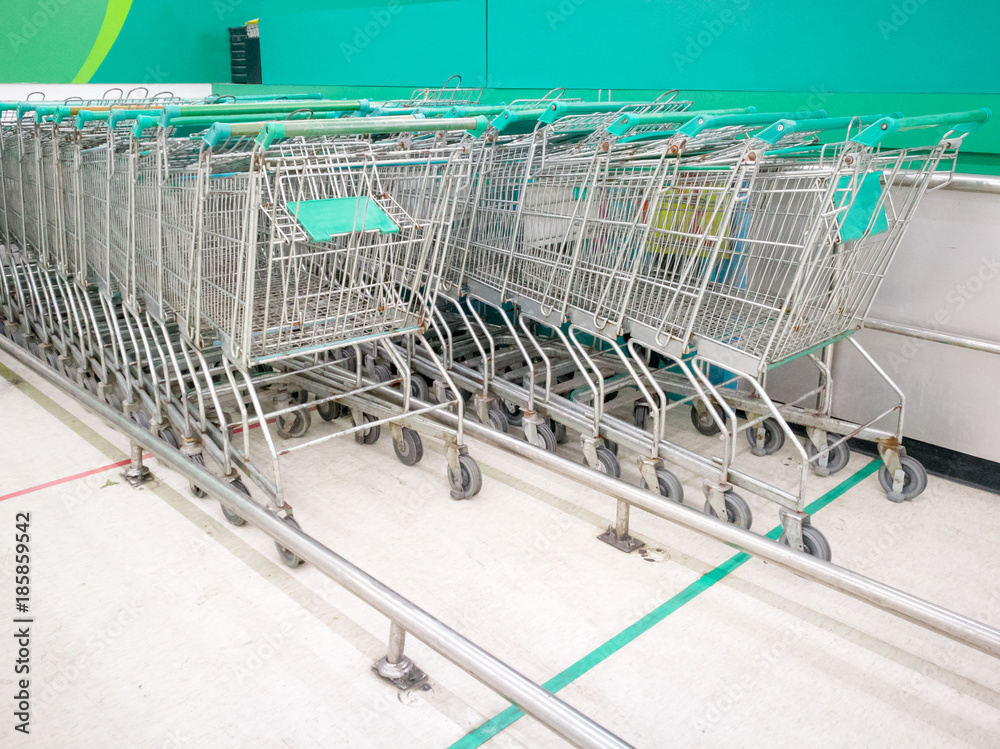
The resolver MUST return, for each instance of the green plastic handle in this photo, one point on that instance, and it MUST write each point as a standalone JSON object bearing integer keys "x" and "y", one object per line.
{"x": 784, "y": 128}
{"x": 121, "y": 115}
{"x": 144, "y": 122}
{"x": 558, "y": 109}
{"x": 272, "y": 131}
{"x": 514, "y": 121}
{"x": 474, "y": 110}
{"x": 962, "y": 122}
{"x": 86, "y": 115}
{"x": 631, "y": 120}
{"x": 711, "y": 122}
{"x": 260, "y": 119}
{"x": 172, "y": 111}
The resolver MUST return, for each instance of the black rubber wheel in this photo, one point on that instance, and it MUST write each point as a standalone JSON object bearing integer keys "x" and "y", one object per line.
{"x": 410, "y": 448}
{"x": 168, "y": 435}
{"x": 370, "y": 435}
{"x": 608, "y": 463}
{"x": 197, "y": 490}
{"x": 469, "y": 483}
{"x": 670, "y": 486}
{"x": 294, "y": 423}
{"x": 288, "y": 557}
{"x": 544, "y": 438}
{"x": 139, "y": 417}
{"x": 513, "y": 412}
{"x": 774, "y": 437}
{"x": 640, "y": 414}
{"x": 419, "y": 388}
{"x": 914, "y": 483}
{"x": 498, "y": 420}
{"x": 737, "y": 511}
{"x": 300, "y": 397}
{"x": 329, "y": 411}
{"x": 381, "y": 373}
{"x": 838, "y": 457}
{"x": 231, "y": 516}
{"x": 704, "y": 423}
{"x": 815, "y": 543}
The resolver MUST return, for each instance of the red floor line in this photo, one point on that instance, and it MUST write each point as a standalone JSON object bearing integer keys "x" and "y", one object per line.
{"x": 74, "y": 477}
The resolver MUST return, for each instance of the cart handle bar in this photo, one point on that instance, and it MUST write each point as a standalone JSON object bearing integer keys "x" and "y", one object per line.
{"x": 368, "y": 126}
{"x": 783, "y": 128}
{"x": 963, "y": 122}
{"x": 172, "y": 111}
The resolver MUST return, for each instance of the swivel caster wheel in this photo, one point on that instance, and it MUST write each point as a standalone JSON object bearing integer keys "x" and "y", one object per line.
{"x": 513, "y": 412}
{"x": 815, "y": 543}
{"x": 329, "y": 411}
{"x": 288, "y": 557}
{"x": 668, "y": 484}
{"x": 294, "y": 423}
{"x": 409, "y": 448}
{"x": 468, "y": 481}
{"x": 559, "y": 430}
{"x": 704, "y": 422}
{"x": 197, "y": 490}
{"x": 774, "y": 437}
{"x": 381, "y": 373}
{"x": 737, "y": 511}
{"x": 419, "y": 388}
{"x": 914, "y": 483}
{"x": 231, "y": 516}
{"x": 370, "y": 435}
{"x": 608, "y": 463}
{"x": 498, "y": 420}
{"x": 640, "y": 415}
{"x": 168, "y": 435}
{"x": 544, "y": 438}
{"x": 836, "y": 459}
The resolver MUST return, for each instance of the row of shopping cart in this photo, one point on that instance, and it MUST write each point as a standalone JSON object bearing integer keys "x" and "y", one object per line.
{"x": 218, "y": 266}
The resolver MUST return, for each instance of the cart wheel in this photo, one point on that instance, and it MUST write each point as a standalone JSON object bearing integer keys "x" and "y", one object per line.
{"x": 294, "y": 423}
{"x": 287, "y": 556}
{"x": 300, "y": 396}
{"x": 170, "y": 437}
{"x": 197, "y": 490}
{"x": 498, "y": 420}
{"x": 53, "y": 359}
{"x": 544, "y": 438}
{"x": 469, "y": 483}
{"x": 559, "y": 430}
{"x": 348, "y": 360}
{"x": 231, "y": 516}
{"x": 837, "y": 459}
{"x": 409, "y": 449}
{"x": 419, "y": 388}
{"x": 608, "y": 463}
{"x": 774, "y": 437}
{"x": 815, "y": 543}
{"x": 612, "y": 446}
{"x": 370, "y": 435}
{"x": 670, "y": 485}
{"x": 737, "y": 511}
{"x": 914, "y": 483}
{"x": 640, "y": 413}
{"x": 513, "y": 412}
{"x": 704, "y": 423}
{"x": 381, "y": 373}
{"x": 329, "y": 411}
{"x": 139, "y": 417}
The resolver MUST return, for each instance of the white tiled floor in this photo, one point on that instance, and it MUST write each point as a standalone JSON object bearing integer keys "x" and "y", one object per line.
{"x": 157, "y": 624}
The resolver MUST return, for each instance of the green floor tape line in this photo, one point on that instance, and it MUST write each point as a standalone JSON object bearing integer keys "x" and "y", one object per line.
{"x": 480, "y": 735}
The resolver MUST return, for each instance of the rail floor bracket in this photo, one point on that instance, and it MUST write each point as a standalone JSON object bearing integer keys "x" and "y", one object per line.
{"x": 403, "y": 675}
{"x": 624, "y": 542}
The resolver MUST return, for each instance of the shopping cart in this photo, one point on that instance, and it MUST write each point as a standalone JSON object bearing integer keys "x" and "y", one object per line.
{"x": 308, "y": 254}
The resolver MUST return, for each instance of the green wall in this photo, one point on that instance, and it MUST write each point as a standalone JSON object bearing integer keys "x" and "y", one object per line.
{"x": 845, "y": 56}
